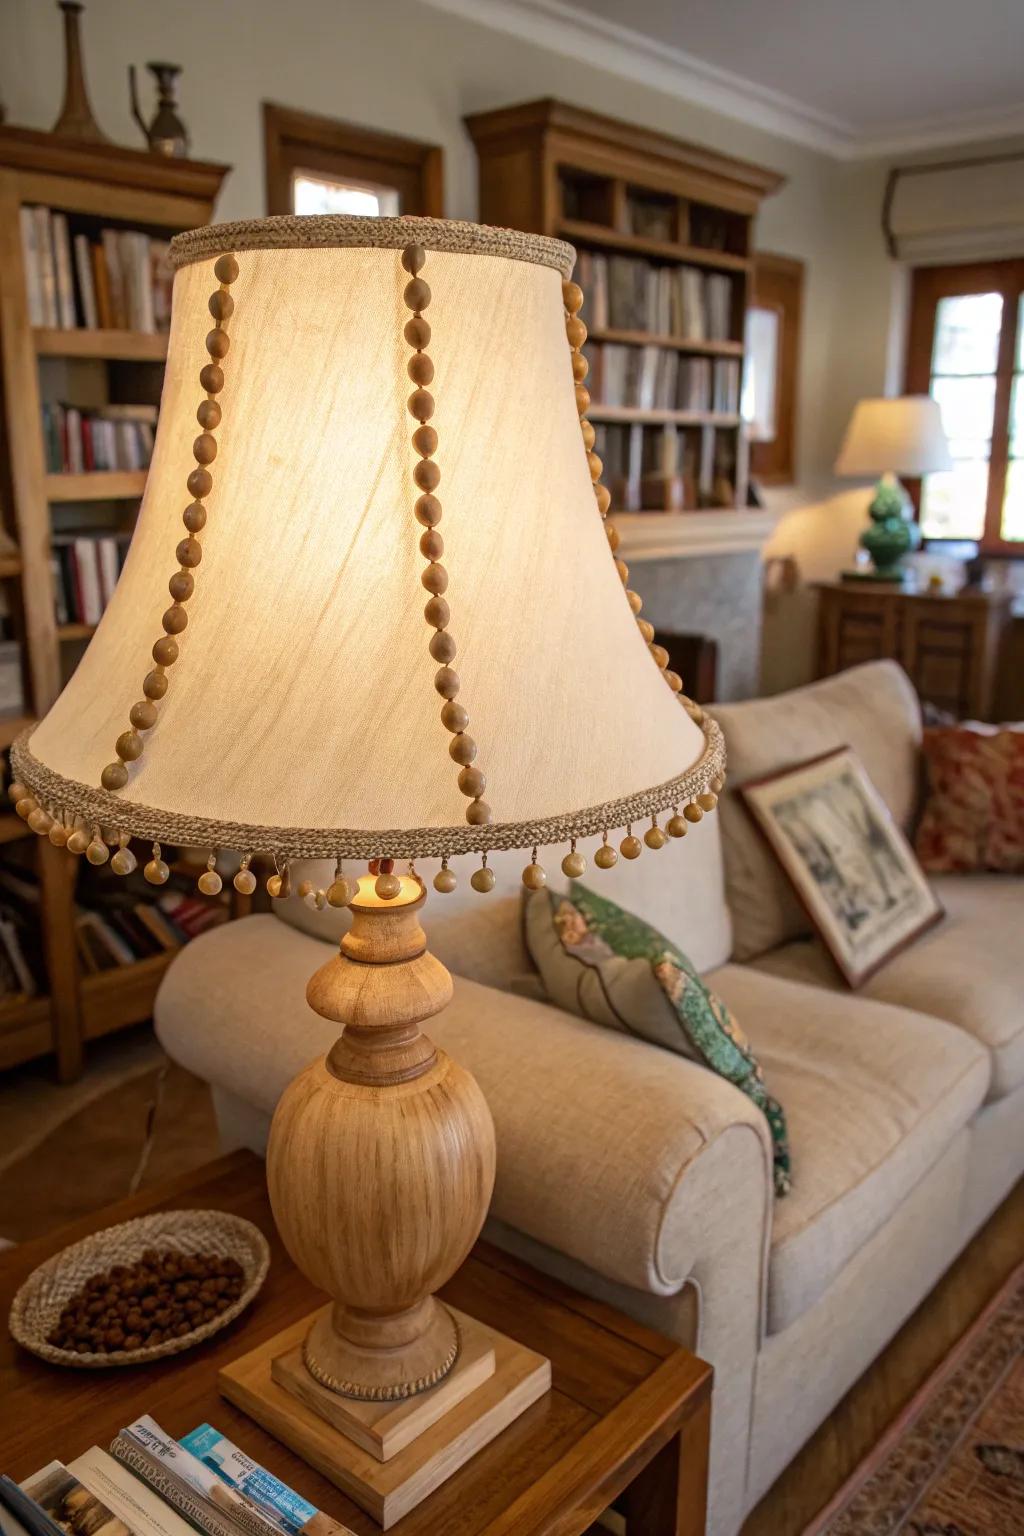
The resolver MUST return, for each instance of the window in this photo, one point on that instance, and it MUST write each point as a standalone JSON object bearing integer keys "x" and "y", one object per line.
{"x": 770, "y": 371}
{"x": 319, "y": 165}
{"x": 966, "y": 349}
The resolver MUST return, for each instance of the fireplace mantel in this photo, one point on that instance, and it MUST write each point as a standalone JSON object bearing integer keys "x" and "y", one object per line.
{"x": 686, "y": 535}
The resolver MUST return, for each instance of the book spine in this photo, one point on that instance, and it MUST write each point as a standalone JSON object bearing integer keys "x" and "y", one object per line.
{"x": 47, "y": 266}
{"x": 86, "y": 285}
{"x": 87, "y": 574}
{"x": 65, "y": 284}
{"x": 109, "y": 570}
{"x": 292, "y": 1514}
{"x": 30, "y": 257}
{"x": 115, "y": 278}
{"x": 101, "y": 283}
{"x": 161, "y": 1463}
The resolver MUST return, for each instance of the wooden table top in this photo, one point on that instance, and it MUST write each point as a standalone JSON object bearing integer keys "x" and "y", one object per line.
{"x": 620, "y": 1394}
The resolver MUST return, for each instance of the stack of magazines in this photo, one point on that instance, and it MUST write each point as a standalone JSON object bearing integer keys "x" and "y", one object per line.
{"x": 148, "y": 1484}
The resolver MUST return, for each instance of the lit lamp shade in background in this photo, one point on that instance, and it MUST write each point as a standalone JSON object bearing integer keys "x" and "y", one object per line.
{"x": 902, "y": 436}
{"x": 889, "y": 438}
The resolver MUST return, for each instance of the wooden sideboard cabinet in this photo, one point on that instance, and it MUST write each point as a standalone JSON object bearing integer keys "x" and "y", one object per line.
{"x": 949, "y": 645}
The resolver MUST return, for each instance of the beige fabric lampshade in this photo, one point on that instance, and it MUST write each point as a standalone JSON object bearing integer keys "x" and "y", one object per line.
{"x": 301, "y": 715}
{"x": 903, "y": 436}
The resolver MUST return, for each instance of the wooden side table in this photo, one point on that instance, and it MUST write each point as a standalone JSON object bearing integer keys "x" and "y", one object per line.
{"x": 949, "y": 646}
{"x": 627, "y": 1418}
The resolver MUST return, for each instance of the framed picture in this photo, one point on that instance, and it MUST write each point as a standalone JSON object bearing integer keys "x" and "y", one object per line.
{"x": 848, "y": 861}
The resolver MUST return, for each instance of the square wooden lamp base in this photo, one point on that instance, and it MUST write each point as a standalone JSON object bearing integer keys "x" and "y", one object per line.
{"x": 388, "y": 1456}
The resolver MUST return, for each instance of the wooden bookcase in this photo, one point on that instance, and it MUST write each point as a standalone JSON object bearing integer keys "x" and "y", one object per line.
{"x": 130, "y": 189}
{"x": 618, "y": 191}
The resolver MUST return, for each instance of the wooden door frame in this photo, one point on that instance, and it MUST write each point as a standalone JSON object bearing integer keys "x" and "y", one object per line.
{"x": 291, "y": 136}
{"x": 777, "y": 284}
{"x": 929, "y": 285}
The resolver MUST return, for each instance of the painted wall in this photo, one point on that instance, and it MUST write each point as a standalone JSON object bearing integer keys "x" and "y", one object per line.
{"x": 403, "y": 66}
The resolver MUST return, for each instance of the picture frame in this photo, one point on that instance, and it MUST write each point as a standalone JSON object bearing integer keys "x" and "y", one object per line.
{"x": 847, "y": 860}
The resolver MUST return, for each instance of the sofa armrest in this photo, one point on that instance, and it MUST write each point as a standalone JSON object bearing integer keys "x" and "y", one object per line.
{"x": 619, "y": 1154}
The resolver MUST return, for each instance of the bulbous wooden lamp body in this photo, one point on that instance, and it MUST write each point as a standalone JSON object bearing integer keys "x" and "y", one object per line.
{"x": 381, "y": 1161}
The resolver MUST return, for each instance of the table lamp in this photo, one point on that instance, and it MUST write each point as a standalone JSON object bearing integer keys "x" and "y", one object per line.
{"x": 325, "y": 674}
{"x": 902, "y": 436}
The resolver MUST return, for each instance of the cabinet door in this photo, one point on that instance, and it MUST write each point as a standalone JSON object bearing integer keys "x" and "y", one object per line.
{"x": 949, "y": 650}
{"x": 857, "y": 626}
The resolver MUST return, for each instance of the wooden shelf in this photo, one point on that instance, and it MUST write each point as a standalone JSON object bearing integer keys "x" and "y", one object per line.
{"x": 679, "y": 343}
{"x": 629, "y": 413}
{"x": 128, "y": 346}
{"x": 121, "y": 996}
{"x": 26, "y": 1029}
{"x": 97, "y": 485}
{"x": 665, "y": 250}
{"x": 94, "y": 184}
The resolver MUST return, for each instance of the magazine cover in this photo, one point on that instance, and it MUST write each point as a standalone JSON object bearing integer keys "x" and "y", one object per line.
{"x": 70, "y": 1505}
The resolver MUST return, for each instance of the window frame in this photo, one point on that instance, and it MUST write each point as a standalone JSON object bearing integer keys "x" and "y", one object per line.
{"x": 929, "y": 285}
{"x": 304, "y": 141}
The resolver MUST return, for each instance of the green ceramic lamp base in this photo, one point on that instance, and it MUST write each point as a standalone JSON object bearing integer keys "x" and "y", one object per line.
{"x": 890, "y": 534}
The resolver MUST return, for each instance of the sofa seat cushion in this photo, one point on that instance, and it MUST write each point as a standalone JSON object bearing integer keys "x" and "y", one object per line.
{"x": 873, "y": 1094}
{"x": 609, "y": 1150}
{"x": 969, "y": 970}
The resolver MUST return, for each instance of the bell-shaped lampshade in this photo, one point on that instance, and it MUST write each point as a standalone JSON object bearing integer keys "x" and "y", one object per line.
{"x": 900, "y": 436}
{"x": 302, "y": 702}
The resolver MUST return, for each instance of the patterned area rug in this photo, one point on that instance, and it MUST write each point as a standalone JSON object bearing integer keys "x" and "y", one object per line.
{"x": 952, "y": 1464}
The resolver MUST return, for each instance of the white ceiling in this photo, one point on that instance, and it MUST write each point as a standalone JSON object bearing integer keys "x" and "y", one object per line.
{"x": 856, "y": 77}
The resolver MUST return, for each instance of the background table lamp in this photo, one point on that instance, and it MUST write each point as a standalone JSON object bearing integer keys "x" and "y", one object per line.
{"x": 308, "y": 668}
{"x": 903, "y": 436}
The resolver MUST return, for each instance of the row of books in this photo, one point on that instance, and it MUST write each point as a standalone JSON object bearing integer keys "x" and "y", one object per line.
{"x": 625, "y": 293}
{"x": 123, "y": 280}
{"x": 658, "y": 378}
{"x": 109, "y": 437}
{"x": 123, "y": 935}
{"x": 149, "y": 1484}
{"x": 118, "y": 921}
{"x": 85, "y": 571}
{"x": 664, "y": 469}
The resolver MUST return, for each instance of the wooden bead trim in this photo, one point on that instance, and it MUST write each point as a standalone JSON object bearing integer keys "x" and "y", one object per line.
{"x": 462, "y": 748}
{"x": 289, "y": 232}
{"x": 95, "y": 806}
{"x": 143, "y": 715}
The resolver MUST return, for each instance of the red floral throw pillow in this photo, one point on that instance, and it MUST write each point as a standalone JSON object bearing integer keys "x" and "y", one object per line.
{"x": 974, "y": 812}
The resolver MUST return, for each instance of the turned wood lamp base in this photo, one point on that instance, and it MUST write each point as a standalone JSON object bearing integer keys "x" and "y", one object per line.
{"x": 380, "y": 1166}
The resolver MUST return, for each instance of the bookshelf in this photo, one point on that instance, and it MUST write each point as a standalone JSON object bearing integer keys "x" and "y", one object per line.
{"x": 662, "y": 230}
{"x": 93, "y": 188}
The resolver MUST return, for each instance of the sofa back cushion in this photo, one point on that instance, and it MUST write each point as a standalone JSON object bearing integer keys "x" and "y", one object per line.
{"x": 680, "y": 888}
{"x": 871, "y": 708}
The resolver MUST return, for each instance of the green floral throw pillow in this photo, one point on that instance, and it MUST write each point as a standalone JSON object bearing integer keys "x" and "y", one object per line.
{"x": 607, "y": 965}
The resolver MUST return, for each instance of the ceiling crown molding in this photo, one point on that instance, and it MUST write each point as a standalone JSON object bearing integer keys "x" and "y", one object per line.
{"x": 567, "y": 29}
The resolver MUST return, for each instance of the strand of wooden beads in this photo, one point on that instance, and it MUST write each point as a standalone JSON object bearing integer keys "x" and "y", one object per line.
{"x": 576, "y": 332}
{"x": 454, "y": 717}
{"x": 143, "y": 715}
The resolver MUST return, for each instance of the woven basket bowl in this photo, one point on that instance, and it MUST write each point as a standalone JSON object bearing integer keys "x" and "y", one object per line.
{"x": 37, "y": 1307}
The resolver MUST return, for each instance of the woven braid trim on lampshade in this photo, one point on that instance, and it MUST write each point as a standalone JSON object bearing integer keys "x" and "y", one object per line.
{"x": 97, "y": 807}
{"x": 330, "y": 230}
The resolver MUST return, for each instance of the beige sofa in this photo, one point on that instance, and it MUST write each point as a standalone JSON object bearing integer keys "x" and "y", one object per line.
{"x": 644, "y": 1179}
